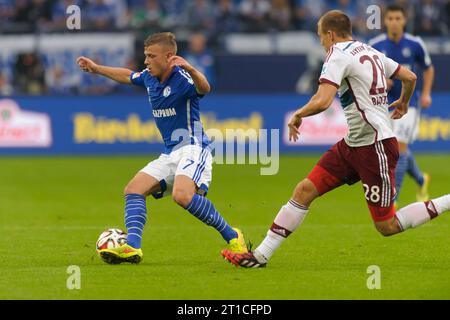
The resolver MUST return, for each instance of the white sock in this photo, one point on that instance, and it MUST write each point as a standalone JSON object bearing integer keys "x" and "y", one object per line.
{"x": 418, "y": 213}
{"x": 287, "y": 220}
{"x": 266, "y": 249}
{"x": 442, "y": 204}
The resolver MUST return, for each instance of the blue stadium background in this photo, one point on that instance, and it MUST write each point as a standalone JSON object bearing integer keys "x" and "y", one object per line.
{"x": 261, "y": 57}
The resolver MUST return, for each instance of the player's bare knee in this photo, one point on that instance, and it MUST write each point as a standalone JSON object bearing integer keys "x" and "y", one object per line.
{"x": 182, "y": 197}
{"x": 132, "y": 189}
{"x": 128, "y": 189}
{"x": 305, "y": 192}
{"x": 386, "y": 230}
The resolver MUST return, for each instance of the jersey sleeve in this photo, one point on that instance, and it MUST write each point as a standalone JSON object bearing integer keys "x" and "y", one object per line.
{"x": 335, "y": 68}
{"x": 422, "y": 56}
{"x": 137, "y": 78}
{"x": 187, "y": 85}
{"x": 391, "y": 68}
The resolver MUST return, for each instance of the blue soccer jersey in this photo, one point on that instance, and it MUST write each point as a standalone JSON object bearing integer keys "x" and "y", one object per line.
{"x": 175, "y": 107}
{"x": 410, "y": 52}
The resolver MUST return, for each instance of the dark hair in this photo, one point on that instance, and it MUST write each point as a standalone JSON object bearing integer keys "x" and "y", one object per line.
{"x": 163, "y": 38}
{"x": 337, "y": 21}
{"x": 395, "y": 7}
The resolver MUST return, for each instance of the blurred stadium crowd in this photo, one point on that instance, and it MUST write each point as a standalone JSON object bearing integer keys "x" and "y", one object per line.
{"x": 200, "y": 25}
{"x": 213, "y": 17}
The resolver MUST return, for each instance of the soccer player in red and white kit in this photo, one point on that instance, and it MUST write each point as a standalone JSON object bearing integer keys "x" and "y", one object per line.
{"x": 368, "y": 153}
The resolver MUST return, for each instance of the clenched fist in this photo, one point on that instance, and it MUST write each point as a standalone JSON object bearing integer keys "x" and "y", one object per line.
{"x": 179, "y": 61}
{"x": 87, "y": 64}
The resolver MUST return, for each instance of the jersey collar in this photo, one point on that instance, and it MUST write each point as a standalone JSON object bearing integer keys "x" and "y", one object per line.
{"x": 174, "y": 70}
{"x": 399, "y": 41}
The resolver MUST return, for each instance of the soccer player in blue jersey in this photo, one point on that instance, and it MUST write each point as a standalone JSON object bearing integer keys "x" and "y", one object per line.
{"x": 174, "y": 90}
{"x": 410, "y": 52}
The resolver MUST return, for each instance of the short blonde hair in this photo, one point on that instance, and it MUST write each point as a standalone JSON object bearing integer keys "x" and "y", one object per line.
{"x": 337, "y": 21}
{"x": 163, "y": 38}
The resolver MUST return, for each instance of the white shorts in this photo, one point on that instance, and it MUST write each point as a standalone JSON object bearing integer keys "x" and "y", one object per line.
{"x": 406, "y": 128}
{"x": 191, "y": 160}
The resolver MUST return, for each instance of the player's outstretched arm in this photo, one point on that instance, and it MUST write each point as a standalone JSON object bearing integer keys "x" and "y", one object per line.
{"x": 200, "y": 81}
{"x": 121, "y": 75}
{"x": 318, "y": 103}
{"x": 408, "y": 79}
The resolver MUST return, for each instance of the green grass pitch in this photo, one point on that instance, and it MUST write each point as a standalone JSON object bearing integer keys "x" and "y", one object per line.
{"x": 53, "y": 209}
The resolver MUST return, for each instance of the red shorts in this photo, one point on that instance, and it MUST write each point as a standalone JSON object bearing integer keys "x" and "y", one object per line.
{"x": 374, "y": 165}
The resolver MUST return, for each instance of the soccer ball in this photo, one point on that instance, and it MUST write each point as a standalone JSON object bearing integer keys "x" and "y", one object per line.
{"x": 111, "y": 238}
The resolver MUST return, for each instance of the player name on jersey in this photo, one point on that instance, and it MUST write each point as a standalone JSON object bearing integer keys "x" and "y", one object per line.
{"x": 357, "y": 50}
{"x": 380, "y": 100}
{"x": 161, "y": 113}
